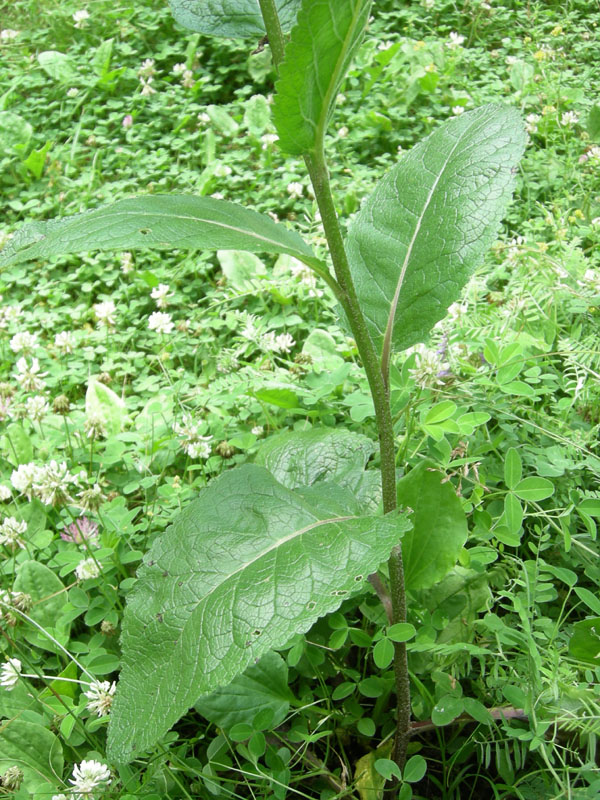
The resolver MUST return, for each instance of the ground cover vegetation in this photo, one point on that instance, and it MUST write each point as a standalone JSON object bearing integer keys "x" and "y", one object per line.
{"x": 131, "y": 380}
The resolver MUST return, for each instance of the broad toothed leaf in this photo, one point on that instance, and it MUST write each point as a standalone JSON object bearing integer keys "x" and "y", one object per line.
{"x": 241, "y": 570}
{"x": 230, "y": 18}
{"x": 426, "y": 227}
{"x": 157, "y": 221}
{"x": 316, "y": 60}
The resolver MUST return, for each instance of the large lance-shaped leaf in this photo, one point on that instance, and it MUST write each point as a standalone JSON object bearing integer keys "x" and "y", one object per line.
{"x": 316, "y": 60}
{"x": 431, "y": 549}
{"x": 242, "y": 569}
{"x": 424, "y": 230}
{"x": 159, "y": 221}
{"x": 230, "y": 18}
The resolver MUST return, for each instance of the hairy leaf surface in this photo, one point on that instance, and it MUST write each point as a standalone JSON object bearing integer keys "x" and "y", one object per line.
{"x": 316, "y": 60}
{"x": 426, "y": 227}
{"x": 301, "y": 458}
{"x": 158, "y": 221}
{"x": 432, "y": 547}
{"x": 241, "y": 570}
{"x": 230, "y": 18}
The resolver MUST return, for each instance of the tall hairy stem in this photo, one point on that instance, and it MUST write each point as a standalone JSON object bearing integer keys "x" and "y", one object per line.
{"x": 378, "y": 384}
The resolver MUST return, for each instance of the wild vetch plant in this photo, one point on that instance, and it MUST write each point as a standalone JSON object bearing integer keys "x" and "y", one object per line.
{"x": 270, "y": 547}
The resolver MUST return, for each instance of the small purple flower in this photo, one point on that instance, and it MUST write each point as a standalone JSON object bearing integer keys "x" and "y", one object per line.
{"x": 83, "y": 529}
{"x": 127, "y": 121}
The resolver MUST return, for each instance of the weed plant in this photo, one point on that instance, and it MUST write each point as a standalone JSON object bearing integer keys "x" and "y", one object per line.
{"x": 130, "y": 381}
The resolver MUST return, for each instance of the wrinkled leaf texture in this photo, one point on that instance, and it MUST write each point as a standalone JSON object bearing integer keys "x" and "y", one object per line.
{"x": 242, "y": 569}
{"x": 425, "y": 229}
{"x": 158, "y": 221}
{"x": 230, "y": 18}
{"x": 317, "y": 58}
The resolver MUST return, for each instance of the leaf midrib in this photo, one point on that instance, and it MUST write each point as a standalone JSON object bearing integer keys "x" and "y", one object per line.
{"x": 389, "y": 329}
{"x": 327, "y": 99}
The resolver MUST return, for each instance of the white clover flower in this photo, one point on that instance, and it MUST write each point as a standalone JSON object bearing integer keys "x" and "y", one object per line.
{"x": 187, "y": 80}
{"x": 25, "y": 477}
{"x": 87, "y": 778}
{"x": 59, "y": 797}
{"x": 23, "y": 342}
{"x": 284, "y": 343}
{"x": 5, "y": 493}
{"x": 29, "y": 377}
{"x": 258, "y": 430}
{"x": 595, "y": 223}
{"x": 72, "y": 92}
{"x": 65, "y": 342}
{"x": 268, "y": 139}
{"x": 531, "y": 122}
{"x": 203, "y": 118}
{"x": 147, "y": 89}
{"x": 100, "y": 696}
{"x": 458, "y": 110}
{"x": 428, "y": 5}
{"x": 53, "y": 482}
{"x": 105, "y": 313}
{"x": 8, "y": 34}
{"x": 11, "y": 531}
{"x": 9, "y": 675}
{"x": 88, "y": 568}
{"x": 222, "y": 170}
{"x": 36, "y": 408}
{"x": 95, "y": 427}
{"x": 147, "y": 69}
{"x": 295, "y": 189}
{"x": 427, "y": 372}
{"x": 200, "y": 448}
{"x": 385, "y": 45}
{"x": 569, "y": 118}
{"x": 161, "y": 294}
{"x": 160, "y": 322}
{"x": 456, "y": 40}
{"x": 343, "y": 132}
{"x": 179, "y": 69}
{"x": 80, "y": 18}
{"x": 510, "y": 60}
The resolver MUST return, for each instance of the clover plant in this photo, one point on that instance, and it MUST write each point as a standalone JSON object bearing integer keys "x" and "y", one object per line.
{"x": 270, "y": 547}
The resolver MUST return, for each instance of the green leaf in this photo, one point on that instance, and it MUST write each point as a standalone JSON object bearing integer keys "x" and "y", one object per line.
{"x": 301, "y": 458}
{"x": 35, "y": 750}
{"x": 263, "y": 686}
{"x": 49, "y": 596}
{"x": 15, "y": 133}
{"x": 593, "y": 123}
{"x": 317, "y": 58}
{"x": 417, "y": 240}
{"x": 513, "y": 514}
{"x": 257, "y": 115}
{"x": 533, "y": 489}
{"x": 282, "y": 398}
{"x": 241, "y": 570}
{"x": 590, "y": 506}
{"x": 401, "y": 632}
{"x": 513, "y": 468}
{"x": 58, "y": 66}
{"x": 321, "y": 347}
{"x": 383, "y": 653}
{"x": 591, "y": 600}
{"x": 242, "y": 270}
{"x": 102, "y": 402}
{"x": 414, "y": 769}
{"x": 440, "y": 412}
{"x": 230, "y": 18}
{"x": 439, "y": 532}
{"x": 584, "y": 644}
{"x": 159, "y": 221}
{"x": 447, "y": 709}
{"x": 388, "y": 769}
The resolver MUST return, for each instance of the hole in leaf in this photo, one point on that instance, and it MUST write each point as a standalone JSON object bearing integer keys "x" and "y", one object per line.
{"x": 145, "y": 231}
{"x": 358, "y": 578}
{"x": 256, "y": 633}
{"x": 311, "y": 605}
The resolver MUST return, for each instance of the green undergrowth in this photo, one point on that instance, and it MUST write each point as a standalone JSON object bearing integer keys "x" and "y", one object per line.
{"x": 129, "y": 381}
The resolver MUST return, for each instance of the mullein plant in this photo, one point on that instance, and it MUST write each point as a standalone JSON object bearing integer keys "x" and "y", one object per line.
{"x": 270, "y": 547}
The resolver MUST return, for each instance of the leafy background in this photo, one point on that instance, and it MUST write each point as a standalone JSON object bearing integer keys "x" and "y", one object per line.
{"x": 503, "y": 399}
